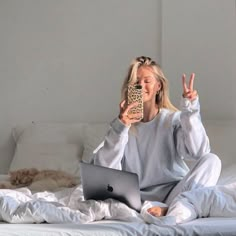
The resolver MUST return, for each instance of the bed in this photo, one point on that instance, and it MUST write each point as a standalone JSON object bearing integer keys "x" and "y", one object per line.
{"x": 62, "y": 146}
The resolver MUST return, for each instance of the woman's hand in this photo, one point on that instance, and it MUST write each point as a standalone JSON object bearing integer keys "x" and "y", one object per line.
{"x": 188, "y": 91}
{"x": 127, "y": 118}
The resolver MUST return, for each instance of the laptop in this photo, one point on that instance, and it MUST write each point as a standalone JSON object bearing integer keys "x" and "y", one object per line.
{"x": 100, "y": 183}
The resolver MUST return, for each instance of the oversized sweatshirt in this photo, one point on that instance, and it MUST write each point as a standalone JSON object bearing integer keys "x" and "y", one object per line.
{"x": 156, "y": 150}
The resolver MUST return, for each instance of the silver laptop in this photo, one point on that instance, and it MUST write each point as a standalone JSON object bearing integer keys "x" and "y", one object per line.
{"x": 100, "y": 183}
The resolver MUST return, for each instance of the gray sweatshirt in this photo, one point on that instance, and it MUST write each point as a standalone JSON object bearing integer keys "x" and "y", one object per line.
{"x": 156, "y": 150}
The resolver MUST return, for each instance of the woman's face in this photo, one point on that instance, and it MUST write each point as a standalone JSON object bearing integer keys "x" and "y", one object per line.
{"x": 150, "y": 85}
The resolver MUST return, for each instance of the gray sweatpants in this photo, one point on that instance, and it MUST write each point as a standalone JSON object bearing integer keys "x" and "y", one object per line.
{"x": 205, "y": 173}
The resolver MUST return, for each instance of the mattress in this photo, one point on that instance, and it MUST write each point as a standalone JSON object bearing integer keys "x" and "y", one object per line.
{"x": 204, "y": 226}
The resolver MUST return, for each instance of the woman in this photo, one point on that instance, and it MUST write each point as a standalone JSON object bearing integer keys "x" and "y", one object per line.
{"x": 157, "y": 146}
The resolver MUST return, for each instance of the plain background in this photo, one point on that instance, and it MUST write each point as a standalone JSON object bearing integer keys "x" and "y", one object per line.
{"x": 65, "y": 60}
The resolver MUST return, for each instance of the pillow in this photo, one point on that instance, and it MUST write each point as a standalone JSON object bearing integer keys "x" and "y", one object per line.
{"x": 55, "y": 156}
{"x": 57, "y": 146}
{"x": 48, "y": 133}
{"x": 93, "y": 136}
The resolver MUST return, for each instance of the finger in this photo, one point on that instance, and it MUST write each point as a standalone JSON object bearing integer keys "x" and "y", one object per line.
{"x": 131, "y": 105}
{"x": 188, "y": 94}
{"x": 125, "y": 109}
{"x": 193, "y": 95}
{"x": 122, "y": 104}
{"x": 135, "y": 116}
{"x": 130, "y": 118}
{"x": 191, "y": 81}
{"x": 185, "y": 88}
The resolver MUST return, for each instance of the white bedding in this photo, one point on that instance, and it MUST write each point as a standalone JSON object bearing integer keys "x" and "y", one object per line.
{"x": 66, "y": 207}
{"x": 203, "y": 226}
{"x": 104, "y": 228}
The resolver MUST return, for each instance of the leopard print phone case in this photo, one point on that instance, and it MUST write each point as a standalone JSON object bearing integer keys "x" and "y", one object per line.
{"x": 135, "y": 94}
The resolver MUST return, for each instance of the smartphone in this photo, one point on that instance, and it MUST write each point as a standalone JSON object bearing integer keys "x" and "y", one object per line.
{"x": 135, "y": 94}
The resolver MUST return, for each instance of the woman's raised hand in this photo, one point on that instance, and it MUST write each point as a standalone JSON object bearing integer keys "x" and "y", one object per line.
{"x": 188, "y": 91}
{"x": 125, "y": 116}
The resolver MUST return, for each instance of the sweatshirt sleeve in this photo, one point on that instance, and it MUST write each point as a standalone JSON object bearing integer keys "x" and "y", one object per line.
{"x": 111, "y": 151}
{"x": 192, "y": 140}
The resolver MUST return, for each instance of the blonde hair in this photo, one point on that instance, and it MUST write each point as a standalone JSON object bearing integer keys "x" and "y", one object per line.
{"x": 162, "y": 98}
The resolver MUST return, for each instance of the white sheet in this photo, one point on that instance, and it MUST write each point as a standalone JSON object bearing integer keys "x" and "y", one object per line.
{"x": 68, "y": 214}
{"x": 104, "y": 228}
{"x": 204, "y": 226}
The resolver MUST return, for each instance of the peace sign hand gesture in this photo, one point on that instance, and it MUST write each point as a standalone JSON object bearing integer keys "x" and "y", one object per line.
{"x": 188, "y": 91}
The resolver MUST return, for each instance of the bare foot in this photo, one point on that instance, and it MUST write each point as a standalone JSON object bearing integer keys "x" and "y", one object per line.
{"x": 157, "y": 211}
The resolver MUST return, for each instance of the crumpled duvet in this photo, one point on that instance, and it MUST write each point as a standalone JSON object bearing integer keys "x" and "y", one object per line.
{"x": 68, "y": 206}
{"x": 65, "y": 206}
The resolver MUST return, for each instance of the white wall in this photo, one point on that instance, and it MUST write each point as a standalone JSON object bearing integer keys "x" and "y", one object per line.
{"x": 200, "y": 36}
{"x": 65, "y": 60}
